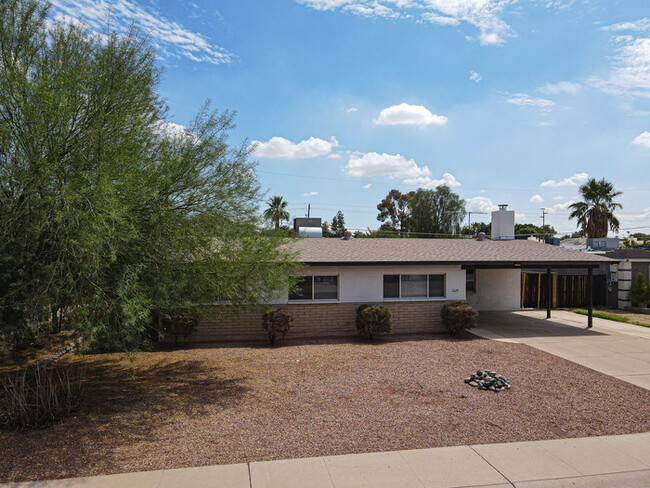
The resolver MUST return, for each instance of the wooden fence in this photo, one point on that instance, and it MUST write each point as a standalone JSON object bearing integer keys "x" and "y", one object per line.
{"x": 569, "y": 291}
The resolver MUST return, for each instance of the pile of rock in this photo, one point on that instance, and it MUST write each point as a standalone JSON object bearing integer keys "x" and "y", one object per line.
{"x": 488, "y": 380}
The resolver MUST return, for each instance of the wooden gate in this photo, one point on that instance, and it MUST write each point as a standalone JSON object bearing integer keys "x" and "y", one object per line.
{"x": 569, "y": 291}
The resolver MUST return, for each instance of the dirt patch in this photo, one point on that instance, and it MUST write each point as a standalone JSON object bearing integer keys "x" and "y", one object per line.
{"x": 202, "y": 406}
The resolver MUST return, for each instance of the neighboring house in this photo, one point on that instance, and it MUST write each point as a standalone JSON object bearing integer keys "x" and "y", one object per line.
{"x": 632, "y": 262}
{"x": 412, "y": 277}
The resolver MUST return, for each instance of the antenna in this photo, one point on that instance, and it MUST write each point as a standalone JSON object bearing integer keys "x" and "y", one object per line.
{"x": 469, "y": 217}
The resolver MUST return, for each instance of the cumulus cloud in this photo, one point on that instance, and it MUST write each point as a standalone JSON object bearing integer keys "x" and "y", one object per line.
{"x": 367, "y": 186}
{"x": 428, "y": 182}
{"x": 281, "y": 148}
{"x": 481, "y": 204}
{"x": 520, "y": 216}
{"x": 560, "y": 87}
{"x": 536, "y": 199}
{"x": 637, "y": 25}
{"x": 560, "y": 207}
{"x": 642, "y": 139}
{"x": 570, "y": 181}
{"x": 169, "y": 38}
{"x": 310, "y": 194}
{"x": 524, "y": 100}
{"x": 351, "y": 109}
{"x": 391, "y": 165}
{"x": 484, "y": 15}
{"x": 334, "y": 156}
{"x": 475, "y": 77}
{"x": 405, "y": 114}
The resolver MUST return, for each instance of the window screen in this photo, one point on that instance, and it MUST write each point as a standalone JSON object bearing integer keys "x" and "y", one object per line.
{"x": 391, "y": 286}
{"x": 470, "y": 280}
{"x": 326, "y": 287}
{"x": 414, "y": 286}
{"x": 436, "y": 285}
{"x": 302, "y": 289}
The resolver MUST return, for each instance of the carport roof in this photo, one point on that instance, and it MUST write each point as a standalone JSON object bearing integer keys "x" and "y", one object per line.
{"x": 468, "y": 252}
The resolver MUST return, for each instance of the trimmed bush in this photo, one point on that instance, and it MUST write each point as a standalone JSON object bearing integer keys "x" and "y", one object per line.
{"x": 458, "y": 316}
{"x": 373, "y": 320}
{"x": 639, "y": 292}
{"x": 47, "y": 396}
{"x": 276, "y": 322}
{"x": 179, "y": 324}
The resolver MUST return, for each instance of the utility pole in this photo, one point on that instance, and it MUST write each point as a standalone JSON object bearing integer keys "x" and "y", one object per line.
{"x": 308, "y": 209}
{"x": 544, "y": 212}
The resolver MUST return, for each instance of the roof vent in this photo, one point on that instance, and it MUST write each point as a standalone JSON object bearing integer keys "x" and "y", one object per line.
{"x": 347, "y": 235}
{"x": 481, "y": 236}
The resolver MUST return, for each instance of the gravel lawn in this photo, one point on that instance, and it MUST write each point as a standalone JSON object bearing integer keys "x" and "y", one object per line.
{"x": 218, "y": 405}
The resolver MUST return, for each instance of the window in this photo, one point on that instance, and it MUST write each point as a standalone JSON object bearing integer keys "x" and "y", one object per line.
{"x": 414, "y": 286}
{"x": 470, "y": 279}
{"x": 316, "y": 288}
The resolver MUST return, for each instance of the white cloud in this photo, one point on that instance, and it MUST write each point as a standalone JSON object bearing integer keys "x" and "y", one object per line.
{"x": 168, "y": 37}
{"x": 481, "y": 204}
{"x": 405, "y": 114}
{"x": 367, "y": 186}
{"x": 559, "y": 197}
{"x": 560, "y": 87}
{"x": 638, "y": 25}
{"x": 310, "y": 194}
{"x": 642, "y": 139}
{"x": 536, "y": 199}
{"x": 428, "y": 182}
{"x": 391, "y": 165}
{"x": 170, "y": 130}
{"x": 524, "y": 100}
{"x": 475, "y": 77}
{"x": 485, "y": 15}
{"x": 281, "y": 148}
{"x": 560, "y": 207}
{"x": 520, "y": 216}
{"x": 351, "y": 109}
{"x": 334, "y": 156}
{"x": 570, "y": 181}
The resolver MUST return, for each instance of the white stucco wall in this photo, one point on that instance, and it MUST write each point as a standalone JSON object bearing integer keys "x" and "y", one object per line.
{"x": 366, "y": 283}
{"x": 496, "y": 289}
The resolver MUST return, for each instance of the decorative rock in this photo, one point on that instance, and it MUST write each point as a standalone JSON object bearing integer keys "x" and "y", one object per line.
{"x": 488, "y": 380}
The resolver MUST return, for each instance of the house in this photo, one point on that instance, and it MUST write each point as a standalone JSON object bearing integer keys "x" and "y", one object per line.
{"x": 631, "y": 263}
{"x": 412, "y": 277}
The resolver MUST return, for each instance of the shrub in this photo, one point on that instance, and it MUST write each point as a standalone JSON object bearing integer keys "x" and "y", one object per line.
{"x": 48, "y": 395}
{"x": 373, "y": 320}
{"x": 276, "y": 322}
{"x": 458, "y": 316}
{"x": 179, "y": 324}
{"x": 639, "y": 291}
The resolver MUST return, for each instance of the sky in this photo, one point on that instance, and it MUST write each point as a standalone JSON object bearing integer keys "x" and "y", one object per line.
{"x": 512, "y": 102}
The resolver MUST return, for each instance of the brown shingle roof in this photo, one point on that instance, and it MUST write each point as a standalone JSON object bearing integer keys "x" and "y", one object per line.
{"x": 324, "y": 251}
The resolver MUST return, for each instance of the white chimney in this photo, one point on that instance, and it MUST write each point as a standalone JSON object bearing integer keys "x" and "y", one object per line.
{"x": 503, "y": 223}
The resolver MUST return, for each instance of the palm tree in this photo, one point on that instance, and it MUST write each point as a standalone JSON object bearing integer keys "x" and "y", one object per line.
{"x": 276, "y": 211}
{"x": 595, "y": 213}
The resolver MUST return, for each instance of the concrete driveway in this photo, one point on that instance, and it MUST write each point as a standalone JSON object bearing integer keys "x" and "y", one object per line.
{"x": 614, "y": 348}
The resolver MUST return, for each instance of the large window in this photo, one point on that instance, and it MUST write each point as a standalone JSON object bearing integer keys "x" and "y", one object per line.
{"x": 470, "y": 279}
{"x": 414, "y": 286}
{"x": 316, "y": 288}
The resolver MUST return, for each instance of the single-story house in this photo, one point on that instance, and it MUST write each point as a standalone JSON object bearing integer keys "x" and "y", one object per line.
{"x": 414, "y": 278}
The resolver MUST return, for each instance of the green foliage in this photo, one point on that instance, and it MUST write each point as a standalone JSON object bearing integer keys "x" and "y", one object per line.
{"x": 276, "y": 210}
{"x": 179, "y": 324}
{"x": 595, "y": 214}
{"x": 104, "y": 211}
{"x": 373, "y": 320}
{"x": 639, "y": 291}
{"x": 394, "y": 211}
{"x": 477, "y": 227}
{"x": 276, "y": 322}
{"x": 338, "y": 225}
{"x": 609, "y": 316}
{"x": 438, "y": 211}
{"x": 458, "y": 316}
{"x": 524, "y": 231}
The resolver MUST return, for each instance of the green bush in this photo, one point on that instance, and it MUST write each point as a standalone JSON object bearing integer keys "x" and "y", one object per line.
{"x": 458, "y": 316}
{"x": 373, "y": 320}
{"x": 639, "y": 291}
{"x": 179, "y": 324}
{"x": 47, "y": 396}
{"x": 276, "y": 322}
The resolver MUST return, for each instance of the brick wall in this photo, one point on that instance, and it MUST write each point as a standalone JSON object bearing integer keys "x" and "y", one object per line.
{"x": 315, "y": 320}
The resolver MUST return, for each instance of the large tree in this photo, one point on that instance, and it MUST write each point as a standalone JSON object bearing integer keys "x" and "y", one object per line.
{"x": 107, "y": 211}
{"x": 394, "y": 211}
{"x": 438, "y": 211}
{"x": 595, "y": 214}
{"x": 276, "y": 211}
{"x": 337, "y": 228}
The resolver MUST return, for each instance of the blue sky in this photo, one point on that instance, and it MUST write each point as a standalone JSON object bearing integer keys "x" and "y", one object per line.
{"x": 508, "y": 101}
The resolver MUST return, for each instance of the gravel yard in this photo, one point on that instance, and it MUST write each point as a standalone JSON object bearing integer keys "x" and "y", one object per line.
{"x": 202, "y": 405}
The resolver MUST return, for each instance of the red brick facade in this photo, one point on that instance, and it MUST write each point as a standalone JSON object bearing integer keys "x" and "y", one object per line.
{"x": 315, "y": 320}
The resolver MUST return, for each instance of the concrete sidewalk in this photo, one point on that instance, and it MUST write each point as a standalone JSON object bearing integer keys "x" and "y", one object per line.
{"x": 621, "y": 461}
{"x": 613, "y": 348}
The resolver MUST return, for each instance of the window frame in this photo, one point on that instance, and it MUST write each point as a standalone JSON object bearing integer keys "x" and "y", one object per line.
{"x": 475, "y": 280}
{"x": 424, "y": 298}
{"x": 313, "y": 290}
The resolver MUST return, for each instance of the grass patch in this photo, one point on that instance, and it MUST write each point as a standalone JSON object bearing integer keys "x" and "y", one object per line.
{"x": 609, "y": 316}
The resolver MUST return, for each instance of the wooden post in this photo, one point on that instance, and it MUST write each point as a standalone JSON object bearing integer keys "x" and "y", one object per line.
{"x": 590, "y": 301}
{"x": 549, "y": 293}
